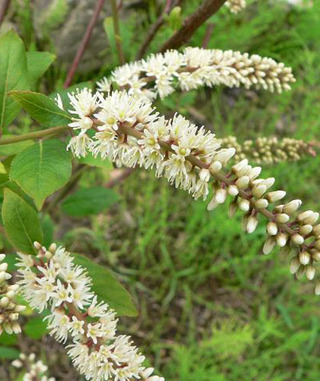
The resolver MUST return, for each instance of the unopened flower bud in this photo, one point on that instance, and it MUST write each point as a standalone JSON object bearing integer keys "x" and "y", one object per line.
{"x": 304, "y": 258}
{"x": 244, "y": 205}
{"x": 212, "y": 205}
{"x": 292, "y": 206}
{"x": 268, "y": 245}
{"x": 305, "y": 229}
{"x": 301, "y": 271}
{"x": 282, "y": 218}
{"x": 242, "y": 182}
{"x": 220, "y": 196}
{"x": 232, "y": 208}
{"x": 297, "y": 239}
{"x": 317, "y": 288}
{"x": 262, "y": 203}
{"x": 252, "y": 224}
{"x": 276, "y": 196}
{"x": 281, "y": 239}
{"x": 272, "y": 228}
{"x": 215, "y": 167}
{"x": 310, "y": 272}
{"x": 233, "y": 190}
{"x": 259, "y": 191}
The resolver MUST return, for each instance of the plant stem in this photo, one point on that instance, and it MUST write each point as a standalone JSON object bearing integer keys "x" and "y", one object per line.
{"x": 116, "y": 29}
{"x": 220, "y": 177}
{"x": 192, "y": 23}
{"x": 33, "y": 135}
{"x": 84, "y": 43}
{"x": 153, "y": 30}
{"x": 4, "y": 8}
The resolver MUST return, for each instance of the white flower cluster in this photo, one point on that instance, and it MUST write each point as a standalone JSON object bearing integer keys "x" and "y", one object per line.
{"x": 296, "y": 233}
{"x": 270, "y": 150}
{"x": 129, "y": 132}
{"x": 52, "y": 281}
{"x": 35, "y": 370}
{"x": 9, "y": 310}
{"x": 236, "y": 6}
{"x": 119, "y": 111}
{"x": 160, "y": 74}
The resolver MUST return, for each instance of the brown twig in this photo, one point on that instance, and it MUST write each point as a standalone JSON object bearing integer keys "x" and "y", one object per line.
{"x": 207, "y": 36}
{"x": 4, "y": 8}
{"x": 116, "y": 29}
{"x": 154, "y": 29}
{"x": 121, "y": 175}
{"x": 84, "y": 43}
{"x": 192, "y": 23}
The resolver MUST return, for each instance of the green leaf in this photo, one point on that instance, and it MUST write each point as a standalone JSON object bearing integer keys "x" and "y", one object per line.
{"x": 72, "y": 89}
{"x": 41, "y": 108}
{"x": 42, "y": 169}
{"x": 14, "y": 148}
{"x": 13, "y": 75}
{"x": 96, "y": 161}
{"x": 35, "y": 328}
{"x": 89, "y": 201}
{"x": 21, "y": 222}
{"x": 3, "y": 170}
{"x": 38, "y": 64}
{"x": 47, "y": 226}
{"x": 8, "y": 340}
{"x": 8, "y": 353}
{"x": 107, "y": 287}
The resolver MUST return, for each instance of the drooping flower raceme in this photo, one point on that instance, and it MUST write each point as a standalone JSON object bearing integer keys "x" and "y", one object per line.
{"x": 270, "y": 150}
{"x": 9, "y": 309}
{"x": 52, "y": 281}
{"x": 129, "y": 132}
{"x": 160, "y": 74}
{"x": 34, "y": 370}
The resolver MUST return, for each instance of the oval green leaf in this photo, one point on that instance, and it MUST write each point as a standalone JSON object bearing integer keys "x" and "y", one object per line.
{"x": 20, "y": 222}
{"x": 85, "y": 202}
{"x": 13, "y": 75}
{"x": 107, "y": 287}
{"x": 42, "y": 169}
{"x": 41, "y": 108}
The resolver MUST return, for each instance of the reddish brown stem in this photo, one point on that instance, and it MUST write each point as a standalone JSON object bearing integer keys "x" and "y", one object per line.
{"x": 4, "y": 9}
{"x": 192, "y": 23}
{"x": 207, "y": 36}
{"x": 84, "y": 43}
{"x": 154, "y": 29}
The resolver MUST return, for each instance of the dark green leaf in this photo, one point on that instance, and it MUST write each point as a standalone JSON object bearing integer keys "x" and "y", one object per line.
{"x": 42, "y": 169}
{"x": 8, "y": 353}
{"x": 21, "y": 222}
{"x": 48, "y": 230}
{"x": 38, "y": 64}
{"x": 107, "y": 287}
{"x": 95, "y": 161}
{"x": 13, "y": 75}
{"x": 35, "y": 328}
{"x": 9, "y": 340}
{"x": 89, "y": 201}
{"x": 41, "y": 108}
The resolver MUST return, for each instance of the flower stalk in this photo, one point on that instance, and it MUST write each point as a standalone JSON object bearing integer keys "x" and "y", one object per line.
{"x": 52, "y": 281}
{"x": 130, "y": 133}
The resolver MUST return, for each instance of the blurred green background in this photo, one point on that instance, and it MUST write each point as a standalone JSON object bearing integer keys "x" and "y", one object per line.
{"x": 212, "y": 307}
